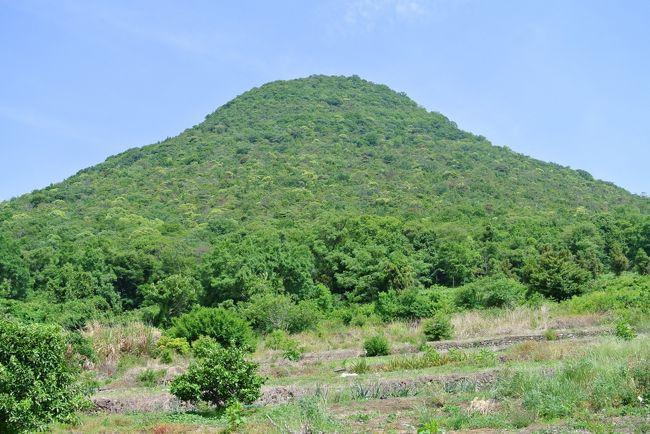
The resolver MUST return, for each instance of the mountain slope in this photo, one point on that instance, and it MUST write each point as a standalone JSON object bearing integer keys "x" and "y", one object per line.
{"x": 298, "y": 147}
{"x": 289, "y": 154}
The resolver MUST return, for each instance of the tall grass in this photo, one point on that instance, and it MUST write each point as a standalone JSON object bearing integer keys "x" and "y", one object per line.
{"x": 609, "y": 376}
{"x": 112, "y": 342}
{"x": 521, "y": 320}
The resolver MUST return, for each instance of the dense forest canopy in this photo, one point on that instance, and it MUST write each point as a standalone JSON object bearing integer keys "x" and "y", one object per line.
{"x": 308, "y": 193}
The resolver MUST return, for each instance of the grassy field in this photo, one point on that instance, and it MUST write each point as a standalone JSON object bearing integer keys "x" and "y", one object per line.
{"x": 532, "y": 370}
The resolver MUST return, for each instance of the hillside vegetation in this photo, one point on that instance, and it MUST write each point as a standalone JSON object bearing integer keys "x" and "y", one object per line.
{"x": 304, "y": 215}
{"x": 324, "y": 180}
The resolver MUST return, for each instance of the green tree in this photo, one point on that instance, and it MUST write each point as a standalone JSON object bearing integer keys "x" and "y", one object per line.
{"x": 618, "y": 259}
{"x": 554, "y": 274}
{"x": 174, "y": 295}
{"x": 219, "y": 376}
{"x": 642, "y": 262}
{"x": 14, "y": 274}
{"x": 38, "y": 385}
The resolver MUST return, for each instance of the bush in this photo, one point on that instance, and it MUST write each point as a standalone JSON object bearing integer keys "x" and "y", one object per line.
{"x": 223, "y": 325}
{"x": 437, "y": 328}
{"x": 490, "y": 292}
{"x": 292, "y": 352}
{"x": 37, "y": 384}
{"x": 624, "y": 330}
{"x": 551, "y": 335}
{"x": 412, "y": 303}
{"x": 280, "y": 340}
{"x": 376, "y": 346}
{"x": 268, "y": 312}
{"x": 174, "y": 345}
{"x": 220, "y": 376}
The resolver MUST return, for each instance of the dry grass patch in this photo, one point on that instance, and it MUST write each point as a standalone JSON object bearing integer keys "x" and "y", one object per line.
{"x": 521, "y": 320}
{"x": 542, "y": 351}
{"x": 112, "y": 342}
{"x": 333, "y": 336}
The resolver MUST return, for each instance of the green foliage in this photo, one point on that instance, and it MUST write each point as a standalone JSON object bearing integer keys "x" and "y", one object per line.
{"x": 429, "y": 426}
{"x": 268, "y": 312}
{"x": 292, "y": 351}
{"x": 550, "y": 335}
{"x": 642, "y": 262}
{"x": 81, "y": 346}
{"x": 360, "y": 366}
{"x": 175, "y": 345}
{"x": 174, "y": 295}
{"x": 151, "y": 377}
{"x": 37, "y": 384}
{"x": 555, "y": 274}
{"x": 490, "y": 292}
{"x": 407, "y": 304}
{"x": 626, "y": 293}
{"x": 280, "y": 340}
{"x": 641, "y": 377}
{"x": 624, "y": 330}
{"x": 301, "y": 198}
{"x": 225, "y": 326}
{"x": 234, "y": 416}
{"x": 438, "y": 327}
{"x": 14, "y": 272}
{"x": 219, "y": 376}
{"x": 575, "y": 384}
{"x": 376, "y": 346}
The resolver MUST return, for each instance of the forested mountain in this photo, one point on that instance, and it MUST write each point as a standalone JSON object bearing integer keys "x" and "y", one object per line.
{"x": 328, "y": 184}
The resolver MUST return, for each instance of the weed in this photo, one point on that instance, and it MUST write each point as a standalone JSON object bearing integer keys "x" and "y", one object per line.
{"x": 360, "y": 366}
{"x": 151, "y": 377}
{"x": 429, "y": 427}
{"x": 550, "y": 335}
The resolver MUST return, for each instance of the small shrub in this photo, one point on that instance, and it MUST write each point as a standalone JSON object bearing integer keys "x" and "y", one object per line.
{"x": 151, "y": 377}
{"x": 220, "y": 376}
{"x": 550, "y": 335}
{"x": 376, "y": 346}
{"x": 81, "y": 346}
{"x": 175, "y": 345}
{"x": 437, "y": 328}
{"x": 280, "y": 340}
{"x": 490, "y": 292}
{"x": 234, "y": 416}
{"x": 166, "y": 356}
{"x": 484, "y": 357}
{"x": 624, "y": 330}
{"x": 292, "y": 351}
{"x": 276, "y": 340}
{"x": 223, "y": 325}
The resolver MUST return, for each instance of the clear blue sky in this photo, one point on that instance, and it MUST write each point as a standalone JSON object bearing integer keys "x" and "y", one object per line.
{"x": 561, "y": 80}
